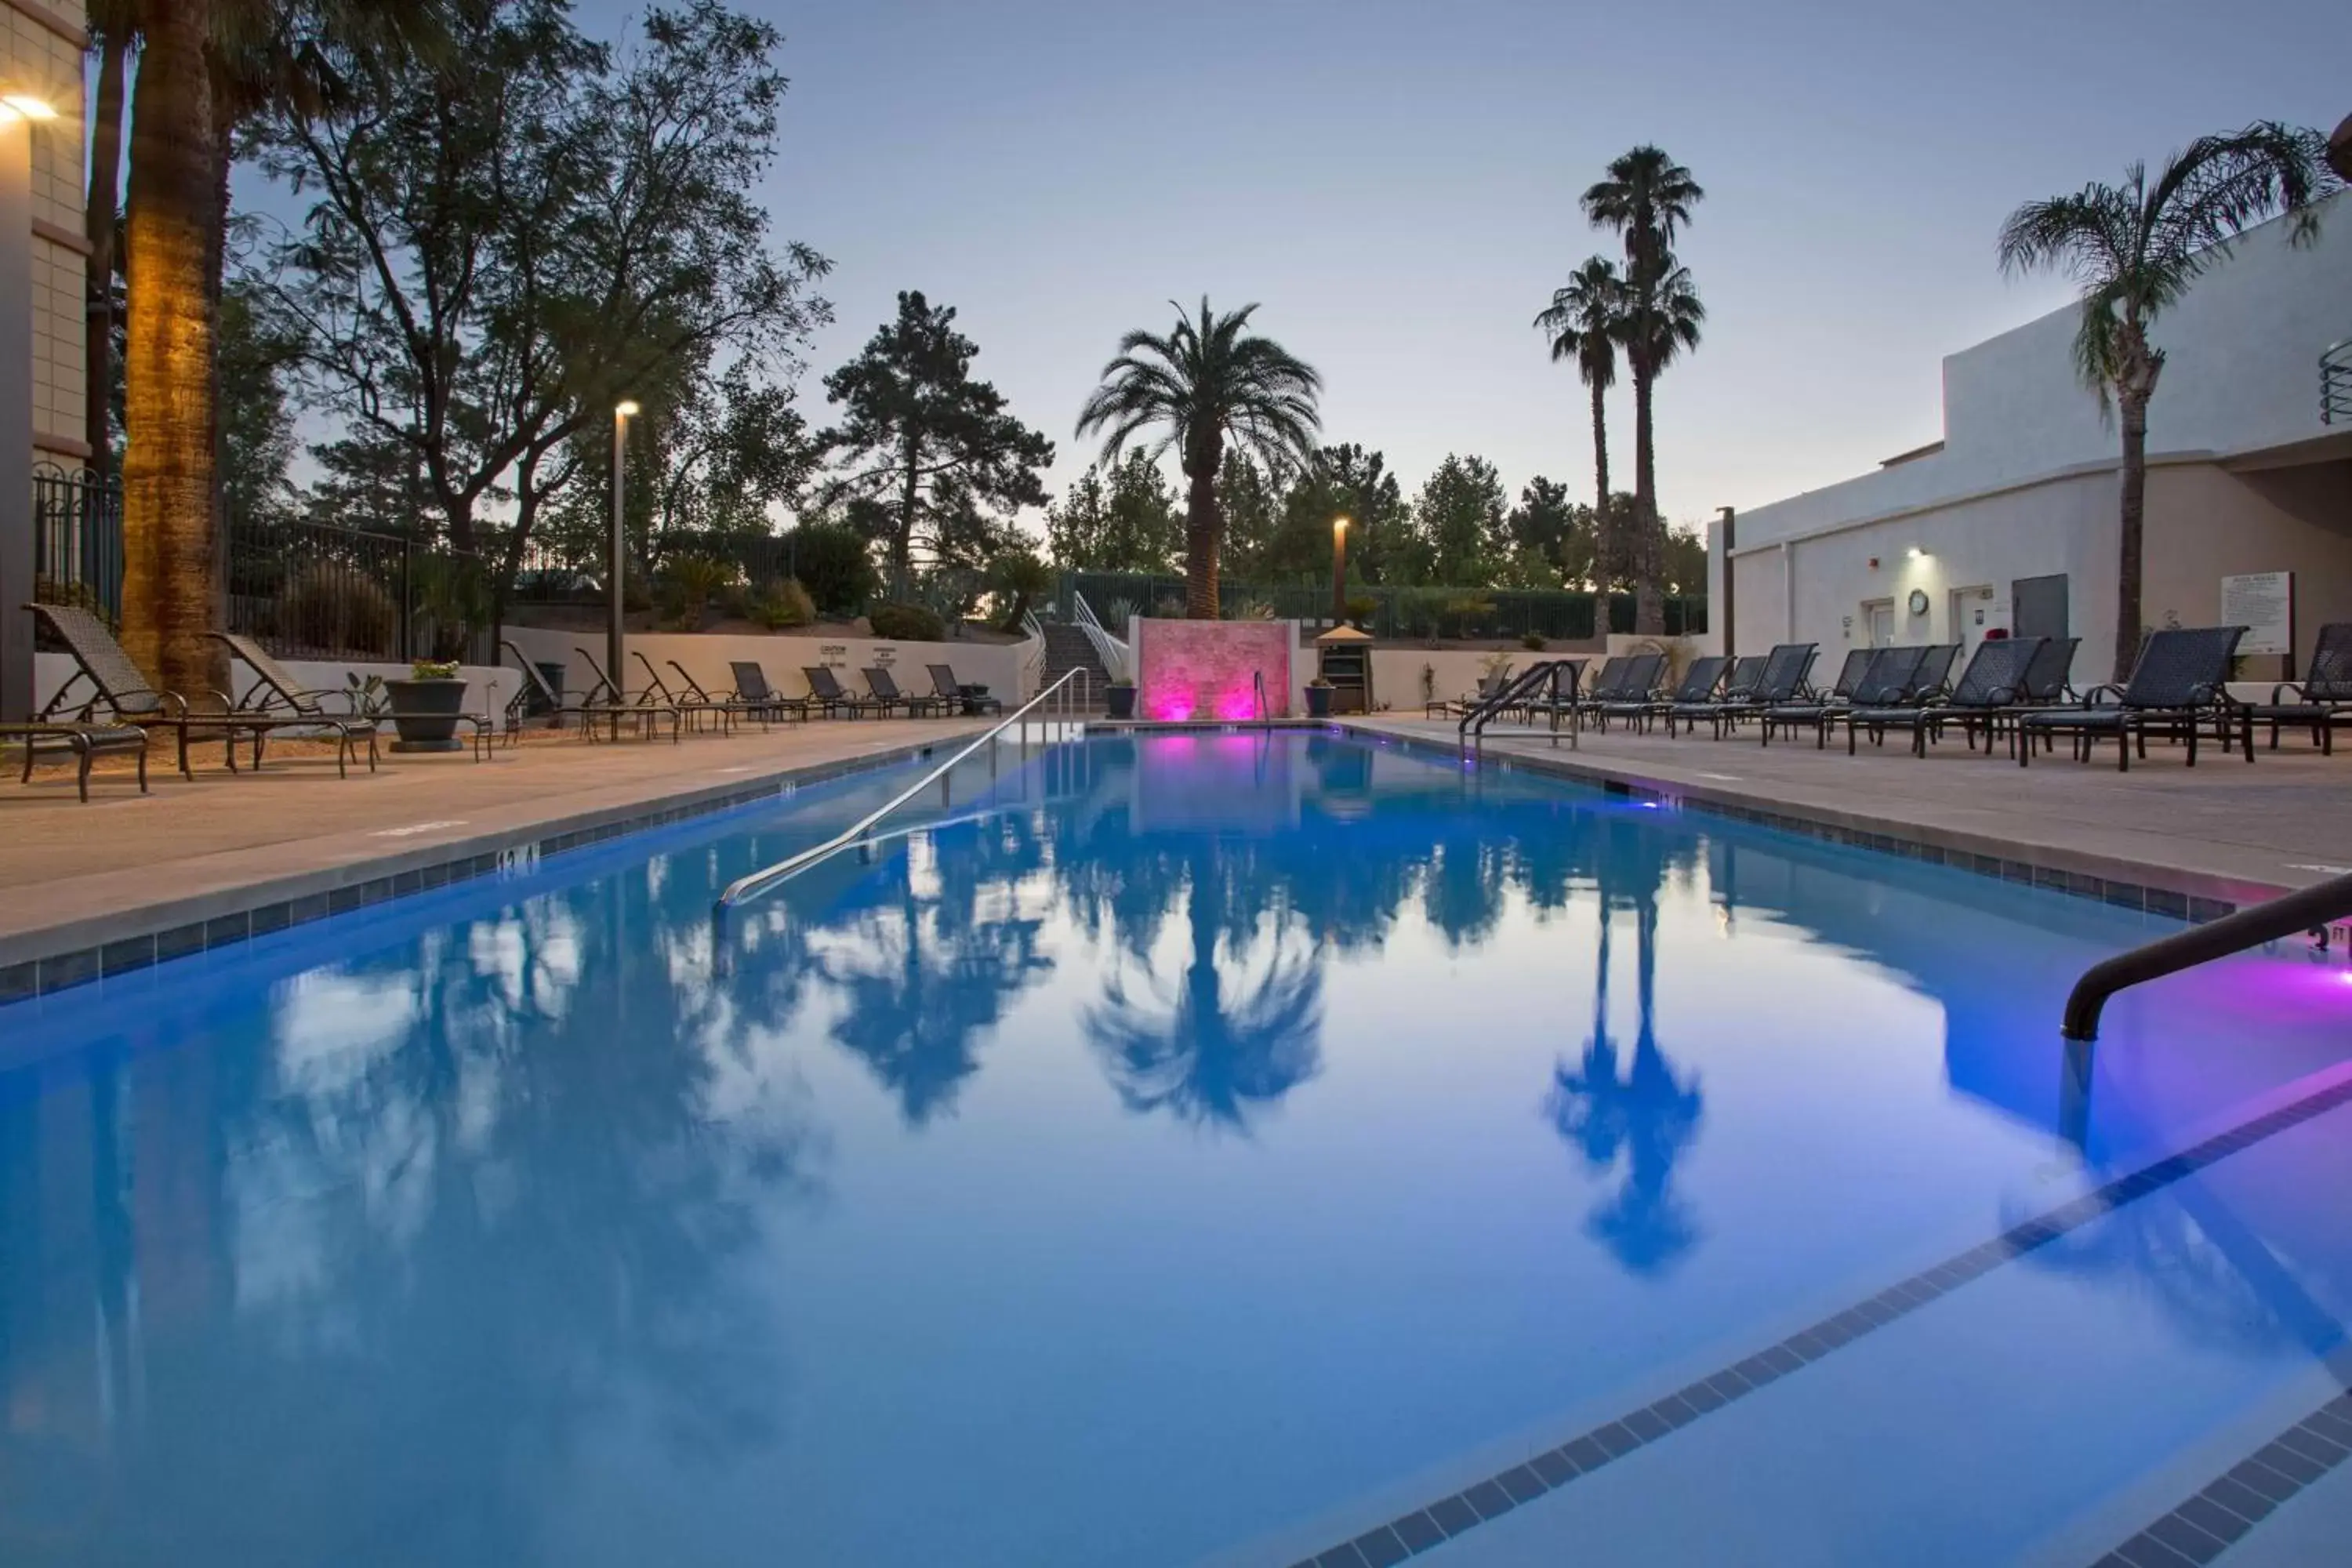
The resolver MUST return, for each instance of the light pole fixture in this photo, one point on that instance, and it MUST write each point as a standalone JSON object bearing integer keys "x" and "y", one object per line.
{"x": 616, "y": 569}
{"x": 18, "y": 110}
{"x": 1338, "y": 571}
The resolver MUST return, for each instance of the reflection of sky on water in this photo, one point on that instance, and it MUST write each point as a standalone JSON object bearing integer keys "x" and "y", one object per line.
{"x": 1099, "y": 1140}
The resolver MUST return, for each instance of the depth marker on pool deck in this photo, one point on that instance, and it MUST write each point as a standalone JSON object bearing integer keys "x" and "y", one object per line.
{"x": 1415, "y": 1533}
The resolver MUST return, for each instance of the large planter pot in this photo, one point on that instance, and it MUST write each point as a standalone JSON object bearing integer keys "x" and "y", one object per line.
{"x": 1319, "y": 702}
{"x": 1121, "y": 700}
{"x": 426, "y": 714}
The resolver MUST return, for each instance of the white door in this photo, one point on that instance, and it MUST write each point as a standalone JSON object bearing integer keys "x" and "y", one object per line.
{"x": 1974, "y": 613}
{"x": 1880, "y": 618}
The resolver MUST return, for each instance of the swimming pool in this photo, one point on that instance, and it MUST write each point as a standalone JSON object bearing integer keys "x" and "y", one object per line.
{"x": 1196, "y": 1148}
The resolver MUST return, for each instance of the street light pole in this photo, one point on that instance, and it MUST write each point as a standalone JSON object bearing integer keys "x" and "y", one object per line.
{"x": 17, "y": 111}
{"x": 1338, "y": 571}
{"x": 616, "y": 569}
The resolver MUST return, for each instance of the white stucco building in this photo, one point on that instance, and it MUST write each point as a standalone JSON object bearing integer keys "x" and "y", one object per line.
{"x": 2011, "y": 518}
{"x": 41, "y": 49}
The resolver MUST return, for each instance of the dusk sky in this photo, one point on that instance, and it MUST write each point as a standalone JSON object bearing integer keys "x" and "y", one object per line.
{"x": 1396, "y": 183}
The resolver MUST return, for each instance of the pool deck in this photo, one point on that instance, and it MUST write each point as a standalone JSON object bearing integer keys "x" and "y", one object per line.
{"x": 77, "y": 880}
{"x": 2222, "y": 830}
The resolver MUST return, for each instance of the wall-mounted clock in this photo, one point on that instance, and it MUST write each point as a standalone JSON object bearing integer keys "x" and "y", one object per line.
{"x": 1918, "y": 601}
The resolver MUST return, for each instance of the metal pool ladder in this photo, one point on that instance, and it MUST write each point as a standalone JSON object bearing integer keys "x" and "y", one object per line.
{"x": 744, "y": 889}
{"x": 2312, "y": 909}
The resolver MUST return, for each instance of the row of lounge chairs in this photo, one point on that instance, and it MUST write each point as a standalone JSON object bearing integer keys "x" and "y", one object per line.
{"x": 107, "y": 705}
{"x": 2012, "y": 687}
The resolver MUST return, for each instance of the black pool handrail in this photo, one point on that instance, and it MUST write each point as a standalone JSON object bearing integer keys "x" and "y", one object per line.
{"x": 2306, "y": 910}
{"x": 1473, "y": 727}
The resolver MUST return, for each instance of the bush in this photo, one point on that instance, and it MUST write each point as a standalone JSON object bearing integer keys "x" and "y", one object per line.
{"x": 906, "y": 623}
{"x": 782, "y": 604}
{"x": 689, "y": 583}
{"x": 331, "y": 608}
{"x": 1361, "y": 608}
{"x": 835, "y": 565}
{"x": 1532, "y": 641}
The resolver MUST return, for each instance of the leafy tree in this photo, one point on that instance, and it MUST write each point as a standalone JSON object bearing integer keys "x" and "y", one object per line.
{"x": 1207, "y": 382}
{"x": 1646, "y": 198}
{"x": 920, "y": 436}
{"x": 1018, "y": 579}
{"x": 1586, "y": 321}
{"x": 1250, "y": 503}
{"x": 835, "y": 564}
{"x": 1548, "y": 528}
{"x": 1460, "y": 516}
{"x": 500, "y": 248}
{"x": 258, "y": 441}
{"x": 1685, "y": 561}
{"x": 1075, "y": 524}
{"x": 1127, "y": 525}
{"x": 2135, "y": 249}
{"x": 1366, "y": 494}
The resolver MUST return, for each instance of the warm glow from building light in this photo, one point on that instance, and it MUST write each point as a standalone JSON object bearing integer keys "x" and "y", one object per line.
{"x": 25, "y": 106}
{"x": 625, "y": 409}
{"x": 1917, "y": 554}
{"x": 1339, "y": 525}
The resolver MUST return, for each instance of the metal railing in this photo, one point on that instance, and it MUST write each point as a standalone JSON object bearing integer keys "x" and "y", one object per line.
{"x": 757, "y": 882}
{"x": 309, "y": 590}
{"x": 2335, "y": 382}
{"x": 2312, "y": 909}
{"x": 1521, "y": 693}
{"x": 1111, "y": 651}
{"x": 78, "y": 540}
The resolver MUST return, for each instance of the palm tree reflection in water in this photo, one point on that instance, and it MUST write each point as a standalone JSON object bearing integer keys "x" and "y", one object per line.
{"x": 1649, "y": 1116}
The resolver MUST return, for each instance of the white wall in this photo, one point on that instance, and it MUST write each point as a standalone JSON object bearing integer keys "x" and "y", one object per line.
{"x": 487, "y": 688}
{"x": 706, "y": 656}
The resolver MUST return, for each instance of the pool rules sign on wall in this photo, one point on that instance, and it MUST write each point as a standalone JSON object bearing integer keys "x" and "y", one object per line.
{"x": 2262, "y": 603}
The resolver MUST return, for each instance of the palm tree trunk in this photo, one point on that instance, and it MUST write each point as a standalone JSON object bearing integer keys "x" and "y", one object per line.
{"x": 168, "y": 467}
{"x": 102, "y": 211}
{"x": 2129, "y": 534}
{"x": 1643, "y": 528}
{"x": 1604, "y": 534}
{"x": 1203, "y": 534}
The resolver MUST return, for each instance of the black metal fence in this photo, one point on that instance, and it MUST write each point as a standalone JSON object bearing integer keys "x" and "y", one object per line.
{"x": 78, "y": 540}
{"x": 1555, "y": 615}
{"x": 307, "y": 590}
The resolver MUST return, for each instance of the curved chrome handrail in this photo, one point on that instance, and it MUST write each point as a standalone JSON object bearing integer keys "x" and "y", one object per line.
{"x": 759, "y": 882}
{"x": 1108, "y": 647}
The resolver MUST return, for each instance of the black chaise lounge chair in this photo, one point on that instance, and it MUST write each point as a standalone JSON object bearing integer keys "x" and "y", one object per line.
{"x": 1698, "y": 686}
{"x": 827, "y": 692}
{"x": 117, "y": 686}
{"x": 691, "y": 705}
{"x": 884, "y": 686}
{"x": 84, "y": 741}
{"x": 2176, "y": 686}
{"x": 1739, "y": 686}
{"x": 1814, "y": 709}
{"x": 2323, "y": 700}
{"x": 1635, "y": 694}
{"x": 733, "y": 704}
{"x": 1993, "y": 682}
{"x": 559, "y": 705}
{"x": 1785, "y": 668}
{"x": 611, "y": 704}
{"x": 751, "y": 687}
{"x": 958, "y": 697}
{"x": 1458, "y": 707}
{"x": 1924, "y": 685}
{"x": 277, "y": 692}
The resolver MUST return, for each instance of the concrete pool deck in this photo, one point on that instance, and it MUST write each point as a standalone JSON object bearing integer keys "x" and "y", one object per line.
{"x": 79, "y": 879}
{"x": 2222, "y": 830}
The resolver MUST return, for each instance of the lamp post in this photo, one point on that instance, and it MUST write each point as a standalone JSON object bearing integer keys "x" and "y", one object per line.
{"x": 1338, "y": 571}
{"x": 17, "y": 111}
{"x": 615, "y": 639}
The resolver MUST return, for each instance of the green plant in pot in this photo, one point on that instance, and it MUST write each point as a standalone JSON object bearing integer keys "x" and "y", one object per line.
{"x": 1318, "y": 699}
{"x": 425, "y": 707}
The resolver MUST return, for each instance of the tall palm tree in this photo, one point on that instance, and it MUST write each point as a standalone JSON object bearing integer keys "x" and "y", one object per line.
{"x": 1646, "y": 198}
{"x": 1209, "y": 382}
{"x": 113, "y": 26}
{"x": 2135, "y": 249}
{"x": 1585, "y": 322}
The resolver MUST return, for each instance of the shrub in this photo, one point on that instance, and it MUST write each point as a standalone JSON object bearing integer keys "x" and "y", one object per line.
{"x": 1532, "y": 641}
{"x": 1361, "y": 608}
{"x": 1018, "y": 579}
{"x": 337, "y": 609}
{"x": 782, "y": 604}
{"x": 906, "y": 623}
{"x": 689, "y": 584}
{"x": 835, "y": 565}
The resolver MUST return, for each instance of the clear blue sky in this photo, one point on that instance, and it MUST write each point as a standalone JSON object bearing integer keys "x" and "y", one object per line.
{"x": 1396, "y": 183}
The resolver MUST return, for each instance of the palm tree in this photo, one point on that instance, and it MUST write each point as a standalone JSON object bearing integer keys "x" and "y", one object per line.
{"x": 2135, "y": 249}
{"x": 1585, "y": 322}
{"x": 1646, "y": 197}
{"x": 112, "y": 25}
{"x": 1209, "y": 382}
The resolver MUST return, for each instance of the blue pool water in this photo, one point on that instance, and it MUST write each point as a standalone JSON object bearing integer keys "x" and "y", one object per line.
{"x": 1191, "y": 1149}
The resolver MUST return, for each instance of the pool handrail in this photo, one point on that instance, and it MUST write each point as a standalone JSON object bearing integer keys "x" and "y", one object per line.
{"x": 759, "y": 882}
{"x": 2312, "y": 909}
{"x": 1472, "y": 730}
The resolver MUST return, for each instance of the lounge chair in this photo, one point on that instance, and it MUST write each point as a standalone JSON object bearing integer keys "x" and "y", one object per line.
{"x": 1698, "y": 685}
{"x": 691, "y": 704}
{"x": 560, "y": 704}
{"x": 1785, "y": 668}
{"x": 1462, "y": 706}
{"x": 826, "y": 691}
{"x": 960, "y": 697}
{"x": 2177, "y": 685}
{"x": 1924, "y": 684}
{"x": 278, "y": 692}
{"x": 751, "y": 687}
{"x": 1747, "y": 673}
{"x": 1637, "y": 693}
{"x": 885, "y": 690}
{"x": 2049, "y": 678}
{"x": 86, "y": 741}
{"x": 1993, "y": 681}
{"x": 117, "y": 686}
{"x": 2322, "y": 701}
{"x": 1815, "y": 707}
{"x": 612, "y": 704}
{"x": 732, "y": 705}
